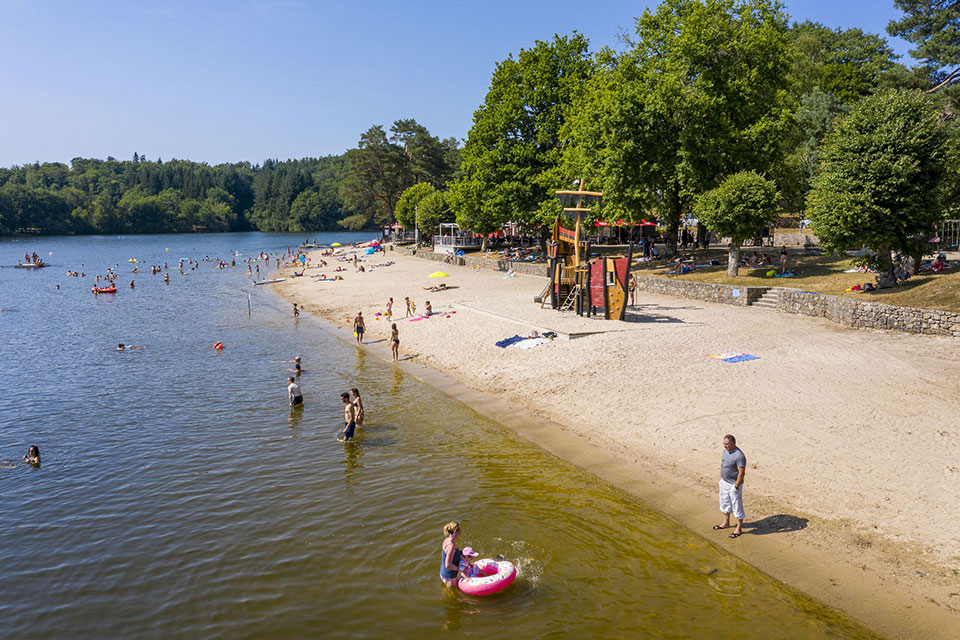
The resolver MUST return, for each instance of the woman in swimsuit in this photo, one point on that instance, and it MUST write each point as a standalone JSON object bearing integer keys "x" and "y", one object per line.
{"x": 358, "y": 403}
{"x": 395, "y": 342}
{"x": 450, "y": 555}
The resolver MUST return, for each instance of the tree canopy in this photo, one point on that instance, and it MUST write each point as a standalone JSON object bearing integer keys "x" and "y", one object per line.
{"x": 512, "y": 156}
{"x": 881, "y": 179}
{"x": 932, "y": 25}
{"x": 382, "y": 167}
{"x": 738, "y": 208}
{"x": 699, "y": 94}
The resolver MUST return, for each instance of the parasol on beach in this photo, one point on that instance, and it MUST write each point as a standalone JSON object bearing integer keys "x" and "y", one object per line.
{"x": 439, "y": 274}
{"x": 336, "y": 244}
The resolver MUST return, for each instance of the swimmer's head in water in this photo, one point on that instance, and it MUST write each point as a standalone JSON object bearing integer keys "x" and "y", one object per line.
{"x": 451, "y": 528}
{"x": 120, "y": 347}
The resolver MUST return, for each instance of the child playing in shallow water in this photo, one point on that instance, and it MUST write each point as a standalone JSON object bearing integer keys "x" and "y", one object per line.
{"x": 467, "y": 570}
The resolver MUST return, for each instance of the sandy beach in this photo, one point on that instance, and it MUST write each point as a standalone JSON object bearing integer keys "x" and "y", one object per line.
{"x": 851, "y": 438}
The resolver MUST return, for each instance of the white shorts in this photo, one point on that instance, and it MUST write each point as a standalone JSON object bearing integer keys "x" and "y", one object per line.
{"x": 731, "y": 499}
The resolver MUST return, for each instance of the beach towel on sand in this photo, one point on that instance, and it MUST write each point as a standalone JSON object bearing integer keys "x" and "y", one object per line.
{"x": 733, "y": 356}
{"x": 530, "y": 343}
{"x": 506, "y": 342}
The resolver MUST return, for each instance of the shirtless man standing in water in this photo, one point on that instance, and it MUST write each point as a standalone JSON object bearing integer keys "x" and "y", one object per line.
{"x": 349, "y": 416}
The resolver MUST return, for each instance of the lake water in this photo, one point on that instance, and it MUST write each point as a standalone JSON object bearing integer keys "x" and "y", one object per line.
{"x": 179, "y": 497}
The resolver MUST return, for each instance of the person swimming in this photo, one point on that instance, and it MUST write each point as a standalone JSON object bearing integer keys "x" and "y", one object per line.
{"x": 33, "y": 455}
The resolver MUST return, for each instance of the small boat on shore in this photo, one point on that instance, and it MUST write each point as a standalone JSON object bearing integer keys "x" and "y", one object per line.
{"x": 257, "y": 284}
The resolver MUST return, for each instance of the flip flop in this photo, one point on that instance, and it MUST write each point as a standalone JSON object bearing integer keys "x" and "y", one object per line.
{"x": 717, "y": 527}
{"x": 736, "y": 535}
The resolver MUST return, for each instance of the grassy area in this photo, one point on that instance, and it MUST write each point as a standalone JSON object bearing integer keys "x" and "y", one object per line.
{"x": 823, "y": 274}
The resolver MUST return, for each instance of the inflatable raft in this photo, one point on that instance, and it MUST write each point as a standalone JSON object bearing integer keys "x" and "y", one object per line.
{"x": 492, "y": 576}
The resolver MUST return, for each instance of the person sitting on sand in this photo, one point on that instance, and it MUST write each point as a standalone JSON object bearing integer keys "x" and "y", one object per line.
{"x": 429, "y": 309}
{"x": 33, "y": 455}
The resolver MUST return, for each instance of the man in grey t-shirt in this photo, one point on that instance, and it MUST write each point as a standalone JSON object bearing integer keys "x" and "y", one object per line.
{"x": 733, "y": 466}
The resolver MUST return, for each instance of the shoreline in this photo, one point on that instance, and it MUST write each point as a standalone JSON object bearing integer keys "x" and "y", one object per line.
{"x": 884, "y": 584}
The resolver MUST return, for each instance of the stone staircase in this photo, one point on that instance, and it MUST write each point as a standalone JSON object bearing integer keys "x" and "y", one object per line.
{"x": 767, "y": 301}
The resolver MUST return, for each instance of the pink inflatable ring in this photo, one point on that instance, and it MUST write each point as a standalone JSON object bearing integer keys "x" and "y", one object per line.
{"x": 492, "y": 576}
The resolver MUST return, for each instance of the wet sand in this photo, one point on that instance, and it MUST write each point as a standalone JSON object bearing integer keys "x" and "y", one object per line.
{"x": 850, "y": 436}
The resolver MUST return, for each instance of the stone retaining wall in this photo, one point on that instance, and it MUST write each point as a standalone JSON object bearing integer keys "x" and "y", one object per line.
{"x": 721, "y": 293}
{"x": 847, "y": 312}
{"x": 860, "y": 314}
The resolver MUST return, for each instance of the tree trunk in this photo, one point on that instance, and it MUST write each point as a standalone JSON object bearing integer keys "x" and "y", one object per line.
{"x": 886, "y": 279}
{"x": 483, "y": 244}
{"x": 733, "y": 260}
{"x": 886, "y": 276}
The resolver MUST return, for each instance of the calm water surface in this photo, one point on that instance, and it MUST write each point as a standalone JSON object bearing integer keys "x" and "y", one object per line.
{"x": 179, "y": 497}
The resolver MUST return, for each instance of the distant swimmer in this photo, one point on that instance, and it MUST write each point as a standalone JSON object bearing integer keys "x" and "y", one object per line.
{"x": 33, "y": 455}
{"x": 358, "y": 403}
{"x": 294, "y": 392}
{"x": 124, "y": 347}
{"x": 349, "y": 417}
{"x": 296, "y": 310}
{"x": 166, "y": 278}
{"x": 131, "y": 284}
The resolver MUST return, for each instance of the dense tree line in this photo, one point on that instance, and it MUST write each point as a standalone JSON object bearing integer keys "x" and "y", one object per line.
{"x": 143, "y": 196}
{"x": 355, "y": 190}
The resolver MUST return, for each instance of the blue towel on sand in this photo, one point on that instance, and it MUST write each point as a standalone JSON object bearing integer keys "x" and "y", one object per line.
{"x": 506, "y": 342}
{"x": 742, "y": 358}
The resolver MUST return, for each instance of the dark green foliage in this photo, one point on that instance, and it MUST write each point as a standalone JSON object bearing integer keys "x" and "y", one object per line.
{"x": 511, "y": 159}
{"x": 382, "y": 167}
{"x": 737, "y": 209}
{"x": 881, "y": 178}
{"x": 139, "y": 196}
{"x": 409, "y": 201}
{"x": 932, "y": 25}
{"x": 700, "y": 93}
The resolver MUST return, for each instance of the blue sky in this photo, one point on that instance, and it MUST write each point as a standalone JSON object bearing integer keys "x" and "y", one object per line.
{"x": 249, "y": 80}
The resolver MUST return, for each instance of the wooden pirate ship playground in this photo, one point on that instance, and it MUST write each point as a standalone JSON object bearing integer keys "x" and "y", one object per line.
{"x": 578, "y": 283}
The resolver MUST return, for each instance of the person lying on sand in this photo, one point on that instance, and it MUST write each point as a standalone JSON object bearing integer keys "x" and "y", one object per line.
{"x": 438, "y": 287}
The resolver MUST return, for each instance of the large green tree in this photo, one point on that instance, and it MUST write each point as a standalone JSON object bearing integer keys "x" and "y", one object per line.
{"x": 382, "y": 167}
{"x": 410, "y": 201}
{"x": 699, "y": 94}
{"x": 512, "y": 155}
{"x": 737, "y": 209}
{"x": 881, "y": 180}
{"x": 934, "y": 26}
